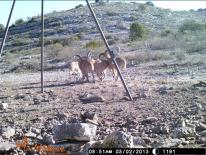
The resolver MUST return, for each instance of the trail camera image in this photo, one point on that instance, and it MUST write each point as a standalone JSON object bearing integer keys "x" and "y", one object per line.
{"x": 102, "y": 77}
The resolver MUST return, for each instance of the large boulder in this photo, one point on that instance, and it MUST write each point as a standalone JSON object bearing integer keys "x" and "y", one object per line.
{"x": 74, "y": 131}
{"x": 118, "y": 139}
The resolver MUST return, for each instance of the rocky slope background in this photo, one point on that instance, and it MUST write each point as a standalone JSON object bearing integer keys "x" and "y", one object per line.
{"x": 166, "y": 75}
{"x": 66, "y": 29}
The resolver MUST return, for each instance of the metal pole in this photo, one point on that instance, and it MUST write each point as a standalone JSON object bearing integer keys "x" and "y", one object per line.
{"x": 108, "y": 48}
{"x": 42, "y": 46}
{"x": 7, "y": 28}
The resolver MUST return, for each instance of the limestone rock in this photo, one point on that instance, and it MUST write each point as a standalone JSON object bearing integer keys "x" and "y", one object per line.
{"x": 90, "y": 98}
{"x": 92, "y": 144}
{"x": 8, "y": 132}
{"x": 74, "y": 131}
{"x": 6, "y": 146}
{"x": 118, "y": 139}
{"x": 48, "y": 139}
{"x": 183, "y": 132}
{"x": 3, "y": 106}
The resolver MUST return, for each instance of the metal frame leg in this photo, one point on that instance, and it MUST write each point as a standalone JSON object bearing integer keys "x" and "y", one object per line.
{"x": 42, "y": 46}
{"x": 6, "y": 29}
{"x": 108, "y": 48}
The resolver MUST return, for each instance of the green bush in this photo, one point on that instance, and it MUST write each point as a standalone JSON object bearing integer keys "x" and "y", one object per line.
{"x": 191, "y": 25}
{"x": 19, "y": 21}
{"x": 137, "y": 31}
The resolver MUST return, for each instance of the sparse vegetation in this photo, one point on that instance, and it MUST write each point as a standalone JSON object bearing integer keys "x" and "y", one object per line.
{"x": 111, "y": 13}
{"x": 19, "y": 21}
{"x": 21, "y": 41}
{"x": 191, "y": 25}
{"x": 93, "y": 44}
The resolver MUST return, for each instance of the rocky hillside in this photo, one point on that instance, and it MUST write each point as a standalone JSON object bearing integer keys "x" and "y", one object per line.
{"x": 115, "y": 18}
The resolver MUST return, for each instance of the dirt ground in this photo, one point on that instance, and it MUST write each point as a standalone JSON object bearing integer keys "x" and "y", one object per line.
{"x": 159, "y": 91}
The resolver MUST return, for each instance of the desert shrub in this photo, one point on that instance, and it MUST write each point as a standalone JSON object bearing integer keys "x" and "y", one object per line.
{"x": 19, "y": 21}
{"x": 79, "y": 6}
{"x": 196, "y": 47}
{"x": 108, "y": 37}
{"x": 163, "y": 43}
{"x": 2, "y": 27}
{"x": 64, "y": 41}
{"x": 141, "y": 57}
{"x": 93, "y": 44}
{"x": 20, "y": 41}
{"x": 30, "y": 19}
{"x": 149, "y": 3}
{"x": 191, "y": 25}
{"x": 137, "y": 31}
{"x": 165, "y": 33}
{"x": 111, "y": 13}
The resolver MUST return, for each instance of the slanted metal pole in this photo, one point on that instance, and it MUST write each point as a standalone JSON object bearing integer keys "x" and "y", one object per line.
{"x": 7, "y": 28}
{"x": 42, "y": 46}
{"x": 108, "y": 48}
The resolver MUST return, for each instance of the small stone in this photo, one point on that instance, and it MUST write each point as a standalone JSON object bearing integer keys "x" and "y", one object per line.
{"x": 35, "y": 130}
{"x": 150, "y": 120}
{"x": 19, "y": 96}
{"x": 8, "y": 132}
{"x": 4, "y": 106}
{"x": 31, "y": 135}
{"x": 48, "y": 139}
{"x": 162, "y": 90}
{"x": 36, "y": 101}
{"x": 89, "y": 115}
{"x": 90, "y": 98}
